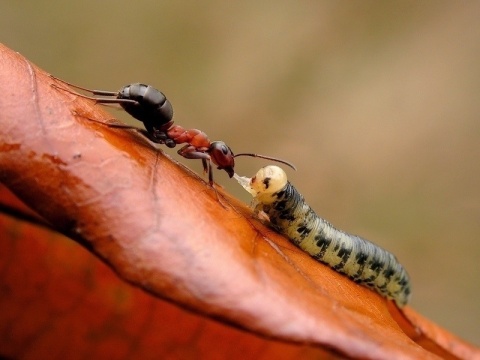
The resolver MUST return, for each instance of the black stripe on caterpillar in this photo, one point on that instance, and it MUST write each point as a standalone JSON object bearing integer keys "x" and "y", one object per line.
{"x": 362, "y": 261}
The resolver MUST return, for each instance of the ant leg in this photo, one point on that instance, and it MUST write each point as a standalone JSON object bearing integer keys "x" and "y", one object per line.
{"x": 190, "y": 152}
{"x": 125, "y": 126}
{"x": 98, "y": 92}
{"x": 112, "y": 125}
{"x": 142, "y": 132}
{"x": 157, "y": 138}
{"x": 94, "y": 92}
{"x": 131, "y": 127}
{"x": 112, "y": 101}
{"x": 205, "y": 166}
{"x": 76, "y": 113}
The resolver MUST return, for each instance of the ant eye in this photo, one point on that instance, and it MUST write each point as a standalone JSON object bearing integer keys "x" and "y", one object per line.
{"x": 225, "y": 149}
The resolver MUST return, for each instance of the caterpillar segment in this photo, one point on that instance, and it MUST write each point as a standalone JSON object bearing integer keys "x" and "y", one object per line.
{"x": 359, "y": 259}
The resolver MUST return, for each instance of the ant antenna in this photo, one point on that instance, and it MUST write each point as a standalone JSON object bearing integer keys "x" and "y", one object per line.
{"x": 268, "y": 158}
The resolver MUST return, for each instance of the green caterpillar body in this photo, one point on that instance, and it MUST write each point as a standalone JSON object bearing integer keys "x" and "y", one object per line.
{"x": 359, "y": 259}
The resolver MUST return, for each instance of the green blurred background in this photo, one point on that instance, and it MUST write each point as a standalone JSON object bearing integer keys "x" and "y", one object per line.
{"x": 376, "y": 102}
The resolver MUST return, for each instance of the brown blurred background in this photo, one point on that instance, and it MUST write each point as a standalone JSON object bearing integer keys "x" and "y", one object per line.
{"x": 377, "y": 103}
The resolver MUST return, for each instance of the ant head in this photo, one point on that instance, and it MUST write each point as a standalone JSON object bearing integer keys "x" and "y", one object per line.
{"x": 222, "y": 156}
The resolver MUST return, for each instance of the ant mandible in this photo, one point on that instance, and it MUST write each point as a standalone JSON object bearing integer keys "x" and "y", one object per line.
{"x": 152, "y": 108}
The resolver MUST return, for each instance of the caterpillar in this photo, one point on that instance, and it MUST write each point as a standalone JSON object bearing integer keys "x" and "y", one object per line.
{"x": 359, "y": 259}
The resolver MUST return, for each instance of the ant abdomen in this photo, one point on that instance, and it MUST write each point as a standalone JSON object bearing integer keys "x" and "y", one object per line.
{"x": 151, "y": 105}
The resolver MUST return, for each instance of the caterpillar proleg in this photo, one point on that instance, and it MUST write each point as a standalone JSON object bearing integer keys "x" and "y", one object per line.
{"x": 359, "y": 259}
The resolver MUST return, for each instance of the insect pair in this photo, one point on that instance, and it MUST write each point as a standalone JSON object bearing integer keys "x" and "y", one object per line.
{"x": 152, "y": 108}
{"x": 359, "y": 259}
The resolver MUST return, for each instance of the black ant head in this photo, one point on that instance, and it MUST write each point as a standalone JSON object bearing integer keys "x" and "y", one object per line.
{"x": 222, "y": 156}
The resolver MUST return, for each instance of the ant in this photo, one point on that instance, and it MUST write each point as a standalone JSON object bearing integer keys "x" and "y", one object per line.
{"x": 152, "y": 108}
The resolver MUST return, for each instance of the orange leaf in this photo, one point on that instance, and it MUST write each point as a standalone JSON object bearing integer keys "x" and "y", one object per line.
{"x": 161, "y": 228}
{"x": 60, "y": 302}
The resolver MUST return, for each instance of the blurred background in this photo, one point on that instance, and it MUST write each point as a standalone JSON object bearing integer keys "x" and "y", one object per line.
{"x": 376, "y": 103}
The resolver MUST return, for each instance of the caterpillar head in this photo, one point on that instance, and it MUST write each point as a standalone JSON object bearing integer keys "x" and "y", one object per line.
{"x": 267, "y": 181}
